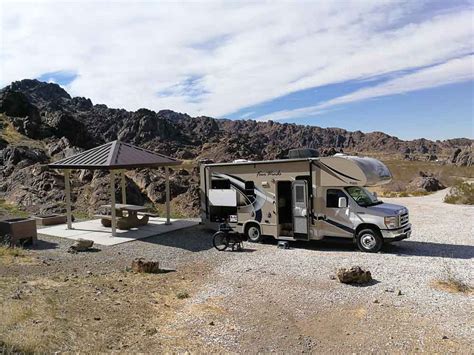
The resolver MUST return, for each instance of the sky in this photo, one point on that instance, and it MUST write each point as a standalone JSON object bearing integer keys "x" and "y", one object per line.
{"x": 402, "y": 67}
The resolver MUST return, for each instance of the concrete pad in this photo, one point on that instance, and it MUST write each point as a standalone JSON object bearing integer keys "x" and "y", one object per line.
{"x": 94, "y": 230}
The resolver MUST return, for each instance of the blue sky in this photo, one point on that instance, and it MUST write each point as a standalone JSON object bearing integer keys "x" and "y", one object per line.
{"x": 399, "y": 66}
{"x": 438, "y": 113}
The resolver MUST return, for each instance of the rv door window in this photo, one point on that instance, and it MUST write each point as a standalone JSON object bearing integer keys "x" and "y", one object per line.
{"x": 299, "y": 193}
{"x": 332, "y": 197}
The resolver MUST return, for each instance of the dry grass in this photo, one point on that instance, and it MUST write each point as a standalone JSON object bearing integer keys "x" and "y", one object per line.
{"x": 453, "y": 286}
{"x": 461, "y": 193}
{"x": 13, "y": 255}
{"x": 451, "y": 282}
{"x": 11, "y": 210}
{"x": 118, "y": 311}
{"x": 404, "y": 171}
{"x": 13, "y": 137}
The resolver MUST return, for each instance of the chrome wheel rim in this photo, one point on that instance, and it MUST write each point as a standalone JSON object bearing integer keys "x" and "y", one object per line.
{"x": 254, "y": 233}
{"x": 368, "y": 241}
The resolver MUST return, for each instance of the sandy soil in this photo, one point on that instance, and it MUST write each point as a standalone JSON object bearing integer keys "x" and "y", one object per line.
{"x": 263, "y": 299}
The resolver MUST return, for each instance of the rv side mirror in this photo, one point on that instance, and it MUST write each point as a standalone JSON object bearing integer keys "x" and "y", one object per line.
{"x": 342, "y": 202}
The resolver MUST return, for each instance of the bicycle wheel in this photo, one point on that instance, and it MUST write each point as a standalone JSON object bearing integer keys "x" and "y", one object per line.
{"x": 220, "y": 241}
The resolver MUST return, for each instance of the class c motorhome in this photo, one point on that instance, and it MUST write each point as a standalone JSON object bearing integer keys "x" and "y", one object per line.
{"x": 303, "y": 199}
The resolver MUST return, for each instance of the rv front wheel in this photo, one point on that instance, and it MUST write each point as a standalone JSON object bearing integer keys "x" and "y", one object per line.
{"x": 253, "y": 233}
{"x": 369, "y": 240}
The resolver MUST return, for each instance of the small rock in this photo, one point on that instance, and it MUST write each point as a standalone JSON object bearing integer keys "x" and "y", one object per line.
{"x": 151, "y": 331}
{"x": 80, "y": 245}
{"x": 354, "y": 275}
{"x": 376, "y": 301}
{"x": 445, "y": 337}
{"x": 399, "y": 293}
{"x": 97, "y": 318}
{"x": 211, "y": 323}
{"x": 142, "y": 266}
{"x": 16, "y": 295}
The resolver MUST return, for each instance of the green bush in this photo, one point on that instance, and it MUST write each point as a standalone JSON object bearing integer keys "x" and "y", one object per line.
{"x": 461, "y": 193}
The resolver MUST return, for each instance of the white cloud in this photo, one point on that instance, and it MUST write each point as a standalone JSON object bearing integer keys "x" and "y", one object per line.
{"x": 453, "y": 71}
{"x": 214, "y": 58}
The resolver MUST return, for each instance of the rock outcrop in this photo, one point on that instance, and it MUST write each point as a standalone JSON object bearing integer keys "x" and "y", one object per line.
{"x": 425, "y": 182}
{"x": 462, "y": 157}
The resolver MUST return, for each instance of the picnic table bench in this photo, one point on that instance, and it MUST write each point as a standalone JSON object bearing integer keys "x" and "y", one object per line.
{"x": 127, "y": 216}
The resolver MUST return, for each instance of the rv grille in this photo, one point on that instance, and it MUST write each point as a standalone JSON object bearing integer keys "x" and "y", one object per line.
{"x": 403, "y": 219}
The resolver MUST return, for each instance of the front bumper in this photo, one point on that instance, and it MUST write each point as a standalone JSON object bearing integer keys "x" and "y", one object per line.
{"x": 395, "y": 235}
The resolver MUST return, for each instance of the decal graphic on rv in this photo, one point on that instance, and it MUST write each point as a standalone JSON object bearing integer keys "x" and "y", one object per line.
{"x": 253, "y": 203}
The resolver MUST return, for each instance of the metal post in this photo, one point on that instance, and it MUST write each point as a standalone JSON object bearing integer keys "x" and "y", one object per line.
{"x": 167, "y": 187}
{"x": 112, "y": 202}
{"x": 68, "y": 198}
{"x": 124, "y": 191}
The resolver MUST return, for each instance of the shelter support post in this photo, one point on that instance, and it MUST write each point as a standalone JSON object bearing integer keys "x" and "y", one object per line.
{"x": 67, "y": 185}
{"x": 112, "y": 203}
{"x": 123, "y": 188}
{"x": 167, "y": 187}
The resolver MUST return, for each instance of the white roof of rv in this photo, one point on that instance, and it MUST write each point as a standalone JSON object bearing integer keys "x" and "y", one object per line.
{"x": 247, "y": 162}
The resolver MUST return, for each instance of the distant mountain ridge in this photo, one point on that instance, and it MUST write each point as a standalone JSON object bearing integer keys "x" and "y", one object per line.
{"x": 45, "y": 111}
{"x": 40, "y": 123}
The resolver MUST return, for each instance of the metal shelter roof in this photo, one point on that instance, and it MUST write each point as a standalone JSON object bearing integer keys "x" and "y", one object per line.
{"x": 115, "y": 155}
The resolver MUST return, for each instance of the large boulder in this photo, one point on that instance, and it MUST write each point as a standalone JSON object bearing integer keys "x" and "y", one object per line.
{"x": 425, "y": 182}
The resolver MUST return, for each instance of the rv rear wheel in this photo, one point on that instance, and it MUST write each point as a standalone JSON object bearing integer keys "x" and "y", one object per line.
{"x": 252, "y": 232}
{"x": 369, "y": 240}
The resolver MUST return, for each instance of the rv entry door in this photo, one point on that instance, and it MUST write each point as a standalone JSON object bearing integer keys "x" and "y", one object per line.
{"x": 300, "y": 209}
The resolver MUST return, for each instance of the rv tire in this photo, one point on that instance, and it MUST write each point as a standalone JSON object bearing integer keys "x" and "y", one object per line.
{"x": 253, "y": 232}
{"x": 369, "y": 240}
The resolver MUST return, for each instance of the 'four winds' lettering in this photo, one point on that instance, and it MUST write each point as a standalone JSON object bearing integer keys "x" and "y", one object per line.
{"x": 269, "y": 173}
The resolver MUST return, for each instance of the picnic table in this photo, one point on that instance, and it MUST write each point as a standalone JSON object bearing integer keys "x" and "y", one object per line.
{"x": 127, "y": 216}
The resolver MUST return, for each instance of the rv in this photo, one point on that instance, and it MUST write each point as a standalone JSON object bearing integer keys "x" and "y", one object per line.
{"x": 308, "y": 198}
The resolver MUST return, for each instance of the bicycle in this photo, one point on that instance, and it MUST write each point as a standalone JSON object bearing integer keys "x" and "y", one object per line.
{"x": 225, "y": 237}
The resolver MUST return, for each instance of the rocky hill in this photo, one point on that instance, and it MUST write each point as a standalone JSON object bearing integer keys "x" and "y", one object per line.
{"x": 40, "y": 122}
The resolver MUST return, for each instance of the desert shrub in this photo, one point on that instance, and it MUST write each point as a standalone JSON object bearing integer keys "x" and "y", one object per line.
{"x": 403, "y": 194}
{"x": 420, "y": 193}
{"x": 461, "y": 193}
{"x": 182, "y": 295}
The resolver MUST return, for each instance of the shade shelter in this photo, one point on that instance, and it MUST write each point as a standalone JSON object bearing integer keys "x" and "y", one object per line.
{"x": 115, "y": 157}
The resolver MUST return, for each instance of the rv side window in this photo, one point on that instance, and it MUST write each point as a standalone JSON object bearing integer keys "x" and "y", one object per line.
{"x": 250, "y": 190}
{"x": 332, "y": 197}
{"x": 220, "y": 184}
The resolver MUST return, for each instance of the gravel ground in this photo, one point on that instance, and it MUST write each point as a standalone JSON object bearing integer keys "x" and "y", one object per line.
{"x": 288, "y": 289}
{"x": 267, "y": 299}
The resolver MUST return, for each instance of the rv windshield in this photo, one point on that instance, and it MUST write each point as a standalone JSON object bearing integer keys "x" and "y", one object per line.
{"x": 363, "y": 197}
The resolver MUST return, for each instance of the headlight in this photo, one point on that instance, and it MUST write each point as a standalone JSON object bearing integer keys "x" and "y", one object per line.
{"x": 391, "y": 222}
